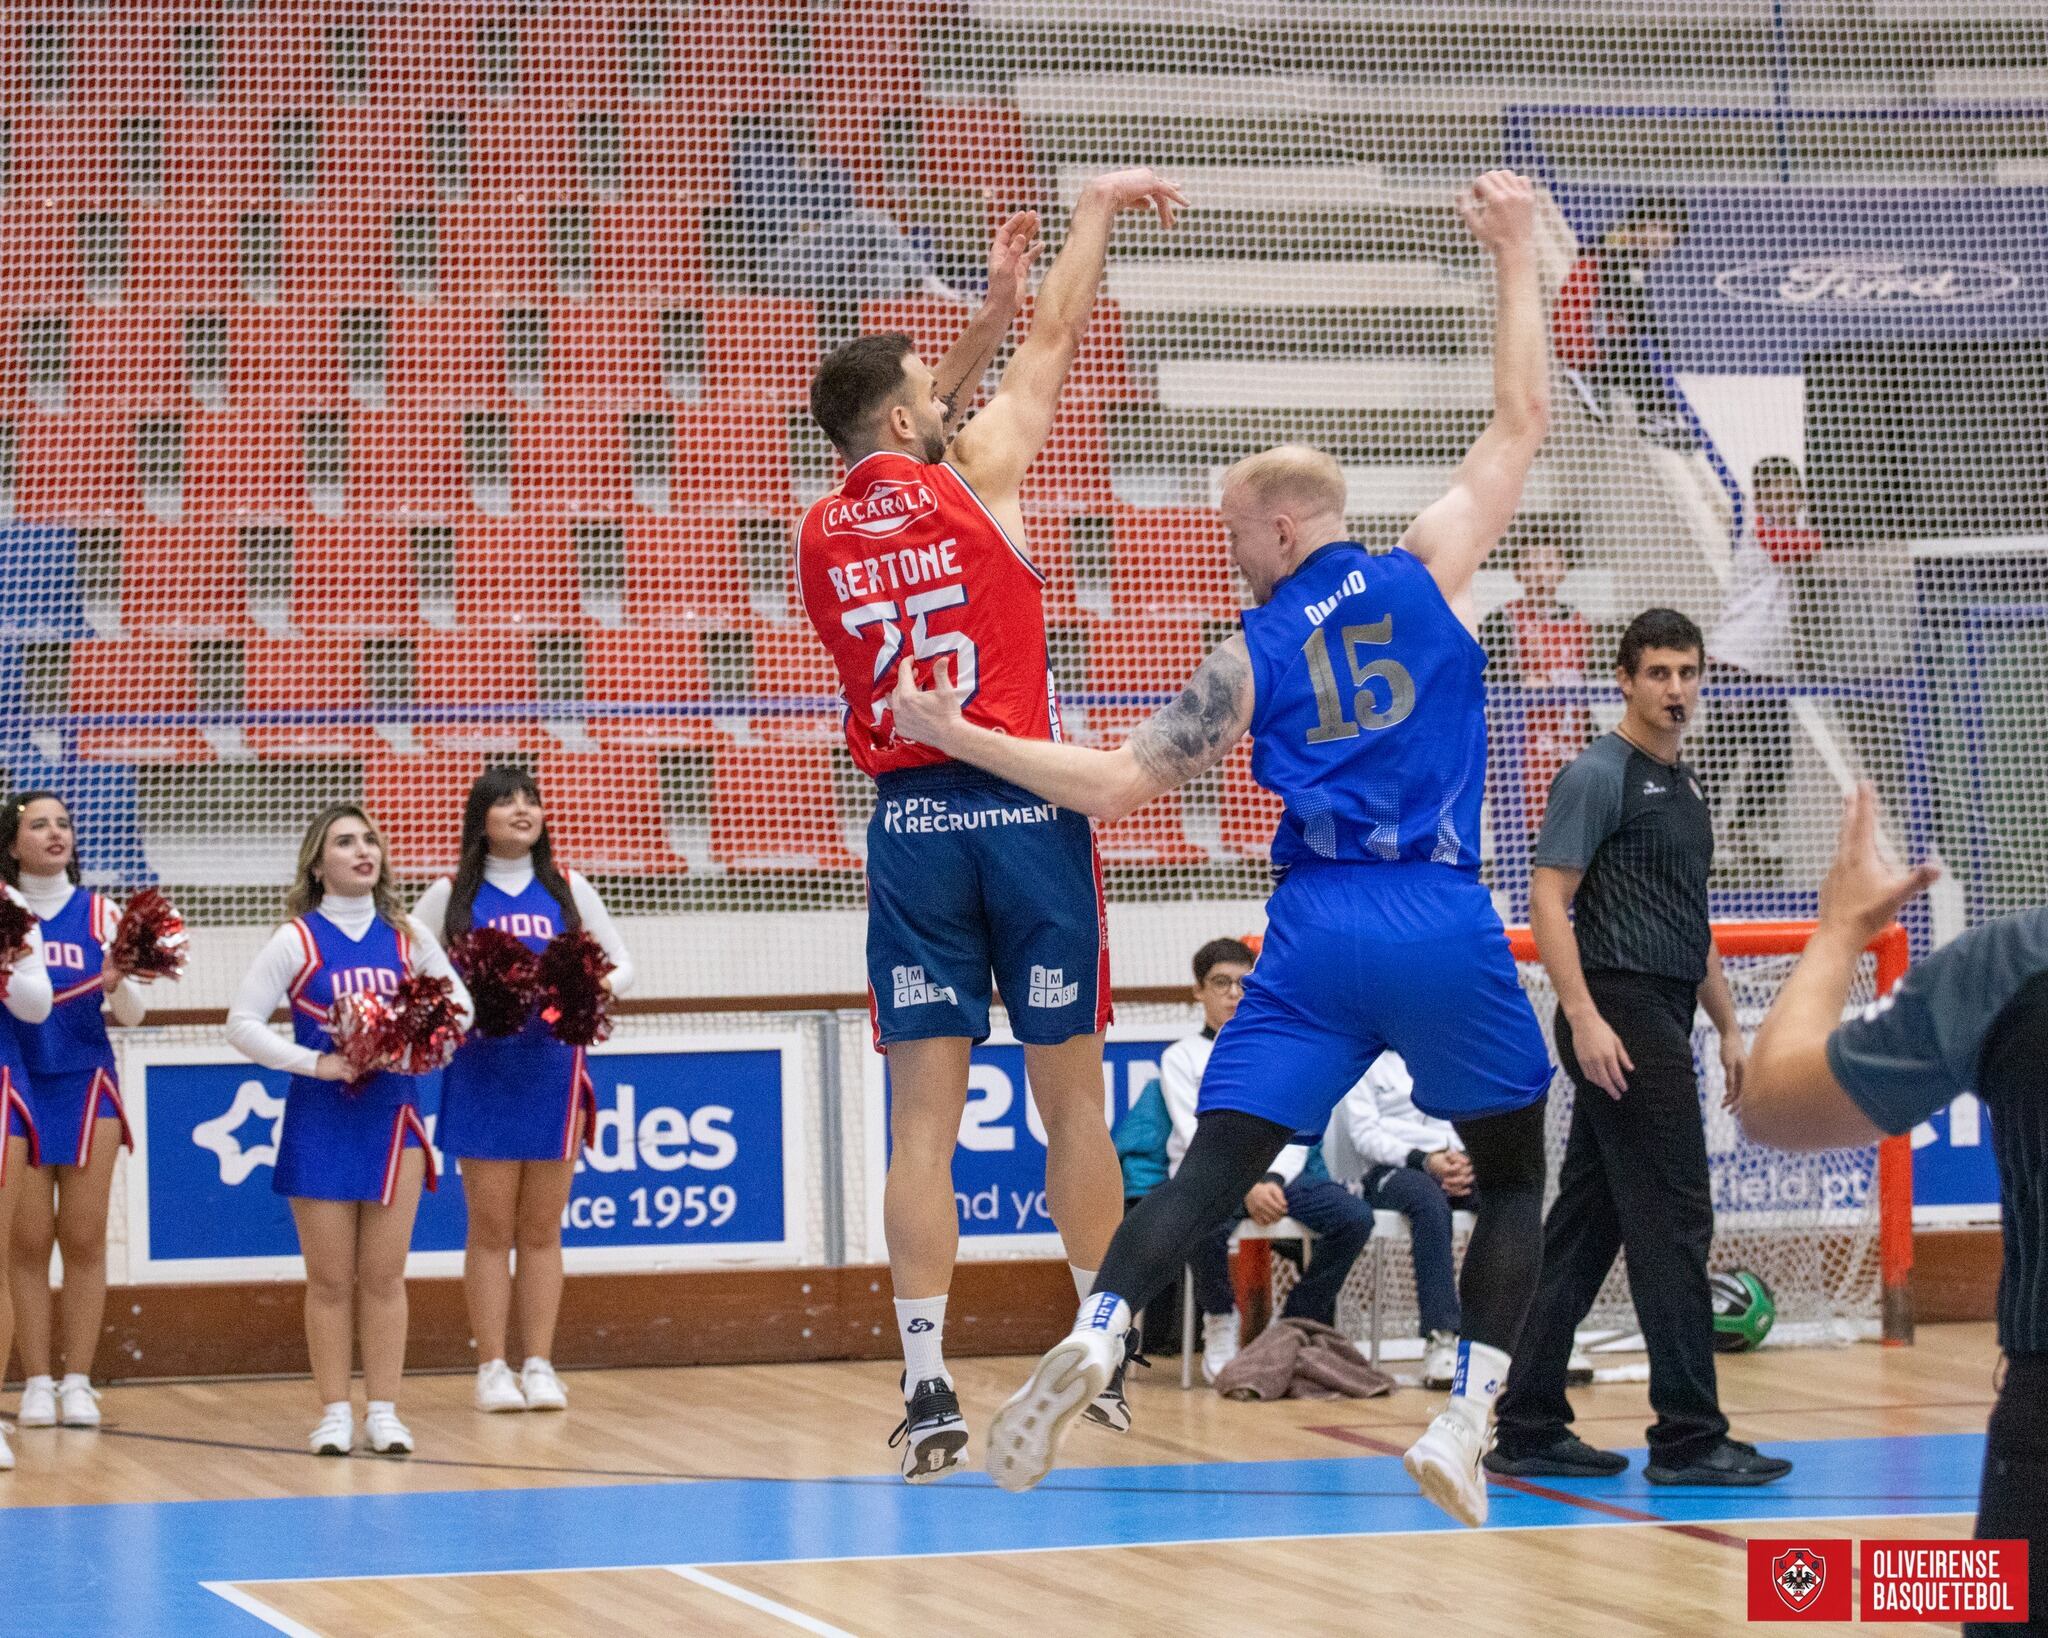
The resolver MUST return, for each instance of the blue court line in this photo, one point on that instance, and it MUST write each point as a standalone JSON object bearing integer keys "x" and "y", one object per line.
{"x": 137, "y": 1567}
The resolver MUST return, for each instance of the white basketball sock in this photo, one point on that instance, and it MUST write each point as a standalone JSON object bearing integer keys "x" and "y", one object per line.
{"x": 1084, "y": 1280}
{"x": 921, "y": 1325}
{"x": 1481, "y": 1373}
{"x": 1104, "y": 1311}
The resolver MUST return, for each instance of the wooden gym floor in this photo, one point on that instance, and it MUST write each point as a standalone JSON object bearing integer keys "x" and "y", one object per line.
{"x": 762, "y": 1500}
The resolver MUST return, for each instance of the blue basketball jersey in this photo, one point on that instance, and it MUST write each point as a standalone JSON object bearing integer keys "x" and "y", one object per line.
{"x": 74, "y": 1039}
{"x": 1369, "y": 717}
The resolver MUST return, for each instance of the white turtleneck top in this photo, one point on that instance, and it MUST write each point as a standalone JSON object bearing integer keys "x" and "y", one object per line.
{"x": 28, "y": 981}
{"x": 512, "y": 876}
{"x": 263, "y": 988}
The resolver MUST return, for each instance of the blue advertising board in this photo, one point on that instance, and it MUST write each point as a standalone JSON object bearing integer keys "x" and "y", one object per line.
{"x": 999, "y": 1166}
{"x": 1767, "y": 275}
{"x": 1955, "y": 1177}
{"x": 697, "y": 1158}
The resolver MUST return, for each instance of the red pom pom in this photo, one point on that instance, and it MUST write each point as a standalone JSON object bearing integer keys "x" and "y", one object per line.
{"x": 425, "y": 1026}
{"x": 503, "y": 976}
{"x": 151, "y": 941}
{"x": 573, "y": 998}
{"x": 413, "y": 1031}
{"x": 17, "y": 921}
{"x": 356, "y": 1023}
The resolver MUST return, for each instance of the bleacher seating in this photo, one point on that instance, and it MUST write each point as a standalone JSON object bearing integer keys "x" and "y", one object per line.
{"x": 391, "y": 284}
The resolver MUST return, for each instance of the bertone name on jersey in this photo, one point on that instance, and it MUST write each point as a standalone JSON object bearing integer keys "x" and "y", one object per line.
{"x": 929, "y": 815}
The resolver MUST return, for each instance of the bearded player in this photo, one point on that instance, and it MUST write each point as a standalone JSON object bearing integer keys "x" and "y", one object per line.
{"x": 1359, "y": 680}
{"x": 920, "y": 554}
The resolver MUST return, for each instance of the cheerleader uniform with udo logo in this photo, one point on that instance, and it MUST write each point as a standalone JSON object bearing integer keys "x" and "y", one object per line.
{"x": 70, "y": 1057}
{"x": 340, "y": 1141}
{"x": 525, "y": 1096}
{"x": 27, "y": 1003}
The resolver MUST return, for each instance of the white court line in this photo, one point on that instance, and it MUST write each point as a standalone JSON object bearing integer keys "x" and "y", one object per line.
{"x": 1089, "y": 1547}
{"x": 753, "y": 1600}
{"x": 271, "y": 1618}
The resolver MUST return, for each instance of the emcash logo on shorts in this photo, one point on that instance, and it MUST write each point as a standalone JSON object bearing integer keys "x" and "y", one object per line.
{"x": 1050, "y": 989}
{"x": 913, "y": 989}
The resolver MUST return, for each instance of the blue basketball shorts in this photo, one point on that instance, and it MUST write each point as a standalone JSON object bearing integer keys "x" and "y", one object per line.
{"x": 971, "y": 878}
{"x": 1359, "y": 958}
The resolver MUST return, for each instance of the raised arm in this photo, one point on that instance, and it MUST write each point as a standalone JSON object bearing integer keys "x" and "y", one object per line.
{"x": 1164, "y": 751}
{"x": 994, "y": 450}
{"x": 1454, "y": 534}
{"x": 1010, "y": 255}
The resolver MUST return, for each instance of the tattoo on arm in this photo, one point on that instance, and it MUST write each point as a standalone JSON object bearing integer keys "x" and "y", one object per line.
{"x": 1192, "y": 734}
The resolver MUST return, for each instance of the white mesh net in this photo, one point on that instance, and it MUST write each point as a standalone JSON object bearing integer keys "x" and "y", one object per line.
{"x": 390, "y": 388}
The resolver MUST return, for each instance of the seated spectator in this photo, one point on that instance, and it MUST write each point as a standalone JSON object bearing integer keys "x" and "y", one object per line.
{"x": 1602, "y": 325}
{"x": 1299, "y": 1186}
{"x": 1753, "y": 643}
{"x": 1403, "y": 1160}
{"x": 806, "y": 231}
{"x": 1537, "y": 641}
{"x": 1220, "y": 969}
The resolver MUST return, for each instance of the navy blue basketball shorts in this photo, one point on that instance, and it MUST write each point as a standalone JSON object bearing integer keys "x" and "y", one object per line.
{"x": 971, "y": 878}
{"x": 1359, "y": 958}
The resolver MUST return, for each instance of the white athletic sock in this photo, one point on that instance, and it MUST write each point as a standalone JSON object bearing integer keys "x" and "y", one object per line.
{"x": 387, "y": 1406}
{"x": 74, "y": 1379}
{"x": 533, "y": 1360}
{"x": 1481, "y": 1373}
{"x": 1084, "y": 1280}
{"x": 1104, "y": 1311}
{"x": 921, "y": 1324}
{"x": 339, "y": 1407}
{"x": 49, "y": 1382}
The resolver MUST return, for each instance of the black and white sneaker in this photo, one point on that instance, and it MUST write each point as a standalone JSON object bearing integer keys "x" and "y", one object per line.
{"x": 1110, "y": 1409}
{"x": 932, "y": 1434}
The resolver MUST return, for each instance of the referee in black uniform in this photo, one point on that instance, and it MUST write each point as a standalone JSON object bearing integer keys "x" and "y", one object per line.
{"x": 1971, "y": 1017}
{"x": 1625, "y": 848}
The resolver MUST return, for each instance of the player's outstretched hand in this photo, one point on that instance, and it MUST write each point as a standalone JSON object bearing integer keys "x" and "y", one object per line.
{"x": 1010, "y": 255}
{"x": 1863, "y": 890}
{"x": 1136, "y": 188}
{"x": 930, "y": 716}
{"x": 1500, "y": 209}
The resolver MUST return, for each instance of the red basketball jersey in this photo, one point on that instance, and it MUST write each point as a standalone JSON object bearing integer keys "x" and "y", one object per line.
{"x": 901, "y": 562}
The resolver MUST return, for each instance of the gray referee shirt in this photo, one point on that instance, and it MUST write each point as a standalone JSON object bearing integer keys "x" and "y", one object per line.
{"x": 1973, "y": 1017}
{"x": 1641, "y": 833}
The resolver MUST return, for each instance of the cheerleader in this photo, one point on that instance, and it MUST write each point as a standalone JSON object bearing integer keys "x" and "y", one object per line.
{"x": 75, "y": 1098}
{"x": 515, "y": 1111}
{"x": 351, "y": 1158}
{"x": 27, "y": 1004}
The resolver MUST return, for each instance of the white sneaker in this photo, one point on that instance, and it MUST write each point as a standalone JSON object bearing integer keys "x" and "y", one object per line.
{"x": 38, "y": 1403}
{"x": 542, "y": 1387}
{"x": 385, "y": 1434}
{"x": 78, "y": 1402}
{"x": 6, "y": 1455}
{"x": 1219, "y": 1344}
{"x": 1440, "y": 1361}
{"x": 1024, "y": 1438}
{"x": 1445, "y": 1463}
{"x": 497, "y": 1389}
{"x": 336, "y": 1434}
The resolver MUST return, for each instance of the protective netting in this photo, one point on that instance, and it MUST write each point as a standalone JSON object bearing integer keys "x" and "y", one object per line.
{"x": 1807, "y": 1224}
{"x": 390, "y": 388}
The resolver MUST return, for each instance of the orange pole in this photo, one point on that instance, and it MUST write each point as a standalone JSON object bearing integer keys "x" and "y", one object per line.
{"x": 1894, "y": 1177}
{"x": 1894, "y": 1154}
